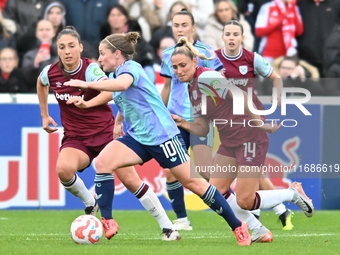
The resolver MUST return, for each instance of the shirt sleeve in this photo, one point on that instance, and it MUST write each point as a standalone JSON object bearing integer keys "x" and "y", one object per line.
{"x": 131, "y": 70}
{"x": 94, "y": 73}
{"x": 261, "y": 66}
{"x": 165, "y": 66}
{"x": 44, "y": 75}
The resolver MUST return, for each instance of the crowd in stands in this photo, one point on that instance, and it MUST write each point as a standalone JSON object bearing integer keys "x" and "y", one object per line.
{"x": 299, "y": 38}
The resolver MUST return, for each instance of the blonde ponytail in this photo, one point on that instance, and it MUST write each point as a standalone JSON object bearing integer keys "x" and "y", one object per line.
{"x": 186, "y": 48}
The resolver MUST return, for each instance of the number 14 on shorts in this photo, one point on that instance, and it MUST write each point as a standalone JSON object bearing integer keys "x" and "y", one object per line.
{"x": 249, "y": 148}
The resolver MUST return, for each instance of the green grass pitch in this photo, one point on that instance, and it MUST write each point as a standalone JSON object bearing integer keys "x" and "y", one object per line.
{"x": 47, "y": 232}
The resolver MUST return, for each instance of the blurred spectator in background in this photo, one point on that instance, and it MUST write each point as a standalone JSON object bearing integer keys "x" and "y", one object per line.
{"x": 166, "y": 31}
{"x": 278, "y": 23}
{"x": 6, "y": 36}
{"x": 51, "y": 10}
{"x": 87, "y": 16}
{"x": 225, "y": 10}
{"x": 2, "y": 4}
{"x": 24, "y": 13}
{"x": 118, "y": 21}
{"x": 296, "y": 73}
{"x": 44, "y": 54}
{"x": 331, "y": 48}
{"x": 201, "y": 10}
{"x": 11, "y": 78}
{"x": 146, "y": 12}
{"x": 55, "y": 12}
{"x": 332, "y": 85}
{"x": 250, "y": 10}
{"x": 165, "y": 43}
{"x": 319, "y": 17}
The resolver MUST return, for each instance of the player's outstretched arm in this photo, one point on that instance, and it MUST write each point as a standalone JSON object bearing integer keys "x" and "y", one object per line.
{"x": 102, "y": 98}
{"x": 121, "y": 83}
{"x": 200, "y": 127}
{"x": 42, "y": 91}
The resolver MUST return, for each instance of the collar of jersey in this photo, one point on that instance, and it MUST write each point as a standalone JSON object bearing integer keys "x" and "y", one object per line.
{"x": 232, "y": 58}
{"x": 78, "y": 68}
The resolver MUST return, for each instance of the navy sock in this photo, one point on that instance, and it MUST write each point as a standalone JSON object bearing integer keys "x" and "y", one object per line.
{"x": 176, "y": 195}
{"x": 217, "y": 202}
{"x": 105, "y": 189}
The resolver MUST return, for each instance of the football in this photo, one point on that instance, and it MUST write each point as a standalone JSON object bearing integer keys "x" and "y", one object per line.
{"x": 86, "y": 229}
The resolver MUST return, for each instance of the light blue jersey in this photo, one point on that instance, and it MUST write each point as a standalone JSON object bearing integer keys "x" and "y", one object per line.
{"x": 147, "y": 119}
{"x": 179, "y": 102}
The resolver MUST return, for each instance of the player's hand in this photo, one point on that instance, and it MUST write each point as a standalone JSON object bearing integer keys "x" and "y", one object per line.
{"x": 47, "y": 121}
{"x": 77, "y": 83}
{"x": 271, "y": 127}
{"x": 179, "y": 121}
{"x": 118, "y": 130}
{"x": 78, "y": 101}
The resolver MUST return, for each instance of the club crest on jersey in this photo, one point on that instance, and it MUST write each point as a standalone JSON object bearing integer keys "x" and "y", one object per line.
{"x": 59, "y": 84}
{"x": 194, "y": 94}
{"x": 243, "y": 69}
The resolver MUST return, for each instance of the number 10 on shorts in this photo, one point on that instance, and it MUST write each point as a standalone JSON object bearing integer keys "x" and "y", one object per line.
{"x": 168, "y": 149}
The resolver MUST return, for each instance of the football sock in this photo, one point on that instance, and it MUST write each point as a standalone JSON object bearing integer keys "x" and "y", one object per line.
{"x": 241, "y": 214}
{"x": 256, "y": 212}
{"x": 77, "y": 188}
{"x": 265, "y": 199}
{"x": 105, "y": 189}
{"x": 213, "y": 198}
{"x": 151, "y": 203}
{"x": 176, "y": 195}
{"x": 279, "y": 209}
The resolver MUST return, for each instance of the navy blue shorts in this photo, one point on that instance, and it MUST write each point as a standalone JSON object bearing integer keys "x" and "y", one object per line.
{"x": 169, "y": 154}
{"x": 192, "y": 140}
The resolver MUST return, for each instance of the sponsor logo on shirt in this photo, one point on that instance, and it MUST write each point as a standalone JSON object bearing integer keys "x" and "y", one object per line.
{"x": 238, "y": 82}
{"x": 98, "y": 72}
{"x": 66, "y": 96}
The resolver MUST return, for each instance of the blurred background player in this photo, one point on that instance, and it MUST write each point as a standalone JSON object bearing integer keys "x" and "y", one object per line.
{"x": 151, "y": 132}
{"x": 175, "y": 96}
{"x": 244, "y": 66}
{"x": 87, "y": 132}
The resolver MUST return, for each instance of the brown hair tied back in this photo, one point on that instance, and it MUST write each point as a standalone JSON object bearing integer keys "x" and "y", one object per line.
{"x": 124, "y": 42}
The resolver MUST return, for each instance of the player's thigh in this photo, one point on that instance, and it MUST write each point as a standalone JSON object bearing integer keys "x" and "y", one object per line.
{"x": 225, "y": 171}
{"x": 202, "y": 155}
{"x": 116, "y": 155}
{"x": 70, "y": 160}
{"x": 129, "y": 177}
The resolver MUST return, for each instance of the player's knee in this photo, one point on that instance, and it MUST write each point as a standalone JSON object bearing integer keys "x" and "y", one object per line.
{"x": 103, "y": 166}
{"x": 64, "y": 172}
{"x": 245, "y": 203}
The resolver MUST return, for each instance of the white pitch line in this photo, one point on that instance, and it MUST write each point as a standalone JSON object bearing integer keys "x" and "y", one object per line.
{"x": 3, "y": 218}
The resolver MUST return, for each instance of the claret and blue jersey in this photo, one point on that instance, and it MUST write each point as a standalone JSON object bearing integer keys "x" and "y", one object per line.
{"x": 179, "y": 102}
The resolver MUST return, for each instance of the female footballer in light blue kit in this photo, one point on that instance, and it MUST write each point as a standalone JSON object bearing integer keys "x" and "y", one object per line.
{"x": 151, "y": 132}
{"x": 175, "y": 96}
